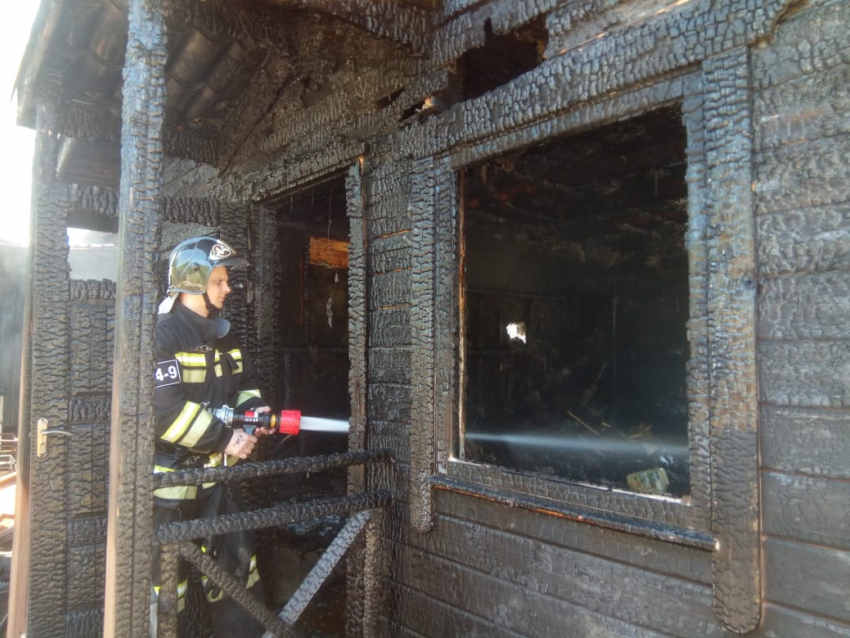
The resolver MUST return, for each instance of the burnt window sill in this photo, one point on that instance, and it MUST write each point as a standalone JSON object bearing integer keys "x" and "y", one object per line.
{"x": 672, "y": 520}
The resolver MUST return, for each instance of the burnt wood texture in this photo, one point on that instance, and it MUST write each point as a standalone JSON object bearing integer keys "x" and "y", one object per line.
{"x": 129, "y": 534}
{"x": 270, "y": 96}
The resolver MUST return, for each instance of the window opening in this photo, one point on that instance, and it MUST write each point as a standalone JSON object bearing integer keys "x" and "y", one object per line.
{"x": 578, "y": 245}
{"x": 93, "y": 254}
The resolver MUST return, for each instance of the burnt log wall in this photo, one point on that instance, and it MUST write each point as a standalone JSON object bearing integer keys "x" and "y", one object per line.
{"x": 484, "y": 568}
{"x": 461, "y": 564}
{"x": 801, "y": 145}
{"x": 487, "y": 569}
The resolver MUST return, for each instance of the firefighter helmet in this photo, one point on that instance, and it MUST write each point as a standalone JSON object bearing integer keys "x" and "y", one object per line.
{"x": 191, "y": 263}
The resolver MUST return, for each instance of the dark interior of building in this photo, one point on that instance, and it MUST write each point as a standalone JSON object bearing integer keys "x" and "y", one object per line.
{"x": 312, "y": 376}
{"x": 576, "y": 305}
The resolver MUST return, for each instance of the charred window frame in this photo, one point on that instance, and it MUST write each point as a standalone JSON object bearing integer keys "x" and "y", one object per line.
{"x": 686, "y": 514}
{"x": 721, "y": 374}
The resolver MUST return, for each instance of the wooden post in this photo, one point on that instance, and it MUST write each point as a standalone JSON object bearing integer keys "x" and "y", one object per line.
{"x": 128, "y": 547}
{"x": 44, "y": 343}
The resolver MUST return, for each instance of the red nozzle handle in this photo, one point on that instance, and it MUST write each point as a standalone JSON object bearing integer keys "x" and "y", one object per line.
{"x": 289, "y": 421}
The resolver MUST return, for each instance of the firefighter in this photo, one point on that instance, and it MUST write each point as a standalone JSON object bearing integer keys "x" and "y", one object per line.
{"x": 200, "y": 367}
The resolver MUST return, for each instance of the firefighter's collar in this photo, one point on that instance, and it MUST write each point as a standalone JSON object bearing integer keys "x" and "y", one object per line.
{"x": 207, "y": 328}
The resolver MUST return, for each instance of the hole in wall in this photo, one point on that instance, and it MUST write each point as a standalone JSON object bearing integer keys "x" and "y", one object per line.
{"x": 503, "y": 58}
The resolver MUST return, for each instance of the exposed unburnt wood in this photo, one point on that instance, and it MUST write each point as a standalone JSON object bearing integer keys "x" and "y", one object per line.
{"x": 794, "y": 373}
{"x": 805, "y": 440}
{"x": 808, "y": 509}
{"x": 804, "y": 577}
{"x": 805, "y": 307}
{"x": 126, "y": 608}
{"x": 804, "y": 240}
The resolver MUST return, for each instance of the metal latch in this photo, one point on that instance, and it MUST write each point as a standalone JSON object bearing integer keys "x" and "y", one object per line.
{"x": 42, "y": 432}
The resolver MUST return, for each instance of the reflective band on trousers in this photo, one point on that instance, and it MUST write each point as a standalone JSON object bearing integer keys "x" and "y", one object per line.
{"x": 253, "y": 578}
{"x": 182, "y": 587}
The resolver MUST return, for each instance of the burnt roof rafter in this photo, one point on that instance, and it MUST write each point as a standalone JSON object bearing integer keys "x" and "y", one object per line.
{"x": 401, "y": 23}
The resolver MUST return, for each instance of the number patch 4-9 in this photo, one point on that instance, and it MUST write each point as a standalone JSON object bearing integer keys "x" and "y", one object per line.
{"x": 167, "y": 373}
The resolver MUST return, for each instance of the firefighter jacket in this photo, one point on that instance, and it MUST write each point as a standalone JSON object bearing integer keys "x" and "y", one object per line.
{"x": 199, "y": 365}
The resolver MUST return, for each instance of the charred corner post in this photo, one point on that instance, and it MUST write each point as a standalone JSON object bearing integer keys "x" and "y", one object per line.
{"x": 574, "y": 274}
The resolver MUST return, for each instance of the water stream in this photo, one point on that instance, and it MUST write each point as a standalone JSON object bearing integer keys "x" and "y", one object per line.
{"x": 319, "y": 424}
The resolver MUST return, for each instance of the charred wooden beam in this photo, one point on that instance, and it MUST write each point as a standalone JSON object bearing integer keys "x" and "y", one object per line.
{"x": 251, "y": 24}
{"x": 384, "y": 18}
{"x": 254, "y": 106}
{"x": 271, "y": 516}
{"x": 322, "y": 569}
{"x": 422, "y": 337}
{"x": 234, "y": 588}
{"x": 271, "y": 468}
{"x": 46, "y": 340}
{"x": 128, "y": 553}
{"x": 732, "y": 343}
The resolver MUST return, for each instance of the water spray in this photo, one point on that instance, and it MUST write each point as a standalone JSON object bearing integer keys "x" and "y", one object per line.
{"x": 579, "y": 444}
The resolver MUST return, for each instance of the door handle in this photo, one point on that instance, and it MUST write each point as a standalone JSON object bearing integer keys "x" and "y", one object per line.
{"x": 42, "y": 432}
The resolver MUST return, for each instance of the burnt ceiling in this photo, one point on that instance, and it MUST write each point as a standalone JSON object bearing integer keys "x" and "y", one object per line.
{"x": 230, "y": 66}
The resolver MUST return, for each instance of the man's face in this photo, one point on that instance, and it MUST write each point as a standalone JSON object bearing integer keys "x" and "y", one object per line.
{"x": 218, "y": 286}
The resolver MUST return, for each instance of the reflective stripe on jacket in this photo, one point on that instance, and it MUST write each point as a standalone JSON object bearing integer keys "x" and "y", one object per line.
{"x": 196, "y": 370}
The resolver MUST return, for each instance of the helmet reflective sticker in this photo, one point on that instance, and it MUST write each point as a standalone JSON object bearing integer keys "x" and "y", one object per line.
{"x": 220, "y": 251}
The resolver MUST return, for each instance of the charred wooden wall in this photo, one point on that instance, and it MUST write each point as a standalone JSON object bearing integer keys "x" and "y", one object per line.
{"x": 486, "y": 568}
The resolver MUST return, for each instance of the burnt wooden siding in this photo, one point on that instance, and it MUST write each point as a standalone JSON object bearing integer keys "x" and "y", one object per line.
{"x": 801, "y": 103}
{"x": 486, "y": 569}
